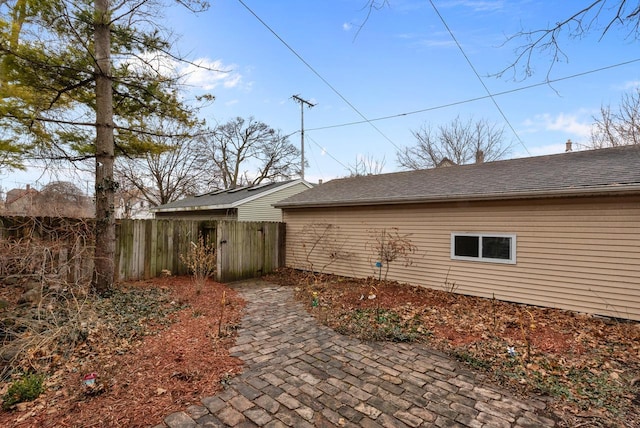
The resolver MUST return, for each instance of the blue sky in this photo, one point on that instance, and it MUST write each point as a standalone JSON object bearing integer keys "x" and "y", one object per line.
{"x": 401, "y": 60}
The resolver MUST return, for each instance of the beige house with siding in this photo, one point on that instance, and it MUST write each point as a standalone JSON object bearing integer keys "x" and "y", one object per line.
{"x": 559, "y": 231}
{"x": 248, "y": 203}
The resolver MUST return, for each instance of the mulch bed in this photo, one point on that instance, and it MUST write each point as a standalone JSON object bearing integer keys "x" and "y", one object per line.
{"x": 163, "y": 368}
{"x": 587, "y": 366}
{"x": 152, "y": 365}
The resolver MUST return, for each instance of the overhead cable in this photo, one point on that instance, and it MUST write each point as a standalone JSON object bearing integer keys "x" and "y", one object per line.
{"x": 504, "y": 116}
{"x": 313, "y": 70}
{"x": 484, "y": 97}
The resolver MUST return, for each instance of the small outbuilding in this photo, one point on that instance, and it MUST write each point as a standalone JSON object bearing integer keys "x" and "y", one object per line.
{"x": 559, "y": 231}
{"x": 247, "y": 203}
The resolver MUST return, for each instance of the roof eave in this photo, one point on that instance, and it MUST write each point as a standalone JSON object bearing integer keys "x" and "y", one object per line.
{"x": 616, "y": 190}
{"x": 234, "y": 204}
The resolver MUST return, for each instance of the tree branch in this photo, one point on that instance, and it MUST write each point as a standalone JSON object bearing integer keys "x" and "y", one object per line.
{"x": 547, "y": 40}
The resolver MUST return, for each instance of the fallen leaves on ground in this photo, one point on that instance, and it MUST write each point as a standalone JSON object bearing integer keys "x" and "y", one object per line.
{"x": 155, "y": 348}
{"x": 589, "y": 366}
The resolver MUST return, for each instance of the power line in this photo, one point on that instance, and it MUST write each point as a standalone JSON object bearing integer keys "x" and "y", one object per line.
{"x": 313, "y": 70}
{"x": 489, "y": 95}
{"x": 317, "y": 164}
{"x": 484, "y": 97}
{"x": 327, "y": 152}
{"x": 478, "y": 76}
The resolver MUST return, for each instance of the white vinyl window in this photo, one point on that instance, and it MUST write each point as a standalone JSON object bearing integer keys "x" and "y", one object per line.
{"x": 484, "y": 247}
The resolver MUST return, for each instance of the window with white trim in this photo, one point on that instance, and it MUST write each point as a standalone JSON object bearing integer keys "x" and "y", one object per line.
{"x": 484, "y": 247}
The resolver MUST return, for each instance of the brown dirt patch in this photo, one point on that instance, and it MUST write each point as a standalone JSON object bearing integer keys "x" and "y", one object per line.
{"x": 455, "y": 337}
{"x": 139, "y": 383}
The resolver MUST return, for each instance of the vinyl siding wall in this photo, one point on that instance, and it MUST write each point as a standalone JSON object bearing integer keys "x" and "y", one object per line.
{"x": 261, "y": 209}
{"x": 580, "y": 254}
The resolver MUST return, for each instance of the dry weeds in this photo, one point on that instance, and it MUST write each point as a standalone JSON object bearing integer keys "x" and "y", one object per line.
{"x": 154, "y": 347}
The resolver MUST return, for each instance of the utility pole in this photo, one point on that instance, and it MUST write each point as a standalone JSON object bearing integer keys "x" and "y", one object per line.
{"x": 302, "y": 102}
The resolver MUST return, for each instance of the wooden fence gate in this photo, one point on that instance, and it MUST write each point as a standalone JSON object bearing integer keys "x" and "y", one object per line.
{"x": 248, "y": 249}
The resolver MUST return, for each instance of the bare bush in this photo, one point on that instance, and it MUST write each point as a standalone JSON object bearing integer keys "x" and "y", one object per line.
{"x": 45, "y": 247}
{"x": 388, "y": 246}
{"x": 201, "y": 262}
{"x": 323, "y": 243}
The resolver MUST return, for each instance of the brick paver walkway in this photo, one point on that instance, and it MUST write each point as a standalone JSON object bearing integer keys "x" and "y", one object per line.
{"x": 299, "y": 373}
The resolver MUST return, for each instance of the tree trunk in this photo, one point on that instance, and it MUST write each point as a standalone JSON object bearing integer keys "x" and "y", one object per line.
{"x": 105, "y": 229}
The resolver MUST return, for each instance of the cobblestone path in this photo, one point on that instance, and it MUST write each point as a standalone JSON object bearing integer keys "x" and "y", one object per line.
{"x": 299, "y": 373}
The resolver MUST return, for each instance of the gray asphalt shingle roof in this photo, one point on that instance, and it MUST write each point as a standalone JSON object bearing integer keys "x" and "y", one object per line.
{"x": 221, "y": 199}
{"x": 599, "y": 171}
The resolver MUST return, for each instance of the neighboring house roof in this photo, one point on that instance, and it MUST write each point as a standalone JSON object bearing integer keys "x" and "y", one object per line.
{"x": 604, "y": 171}
{"x": 225, "y": 199}
{"x": 14, "y": 194}
{"x": 445, "y": 162}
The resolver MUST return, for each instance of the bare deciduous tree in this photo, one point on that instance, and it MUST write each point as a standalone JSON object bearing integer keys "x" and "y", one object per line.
{"x": 168, "y": 175}
{"x": 458, "y": 142}
{"x": 63, "y": 199}
{"x": 248, "y": 152}
{"x": 595, "y": 16}
{"x": 618, "y": 128}
{"x": 366, "y": 165}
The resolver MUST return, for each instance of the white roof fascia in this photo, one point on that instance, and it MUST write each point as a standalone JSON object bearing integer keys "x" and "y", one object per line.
{"x": 269, "y": 192}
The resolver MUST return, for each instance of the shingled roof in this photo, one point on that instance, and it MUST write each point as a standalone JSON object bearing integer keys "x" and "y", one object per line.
{"x": 604, "y": 171}
{"x": 224, "y": 199}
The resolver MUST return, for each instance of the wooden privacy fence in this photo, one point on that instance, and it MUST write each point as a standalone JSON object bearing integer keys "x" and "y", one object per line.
{"x": 145, "y": 248}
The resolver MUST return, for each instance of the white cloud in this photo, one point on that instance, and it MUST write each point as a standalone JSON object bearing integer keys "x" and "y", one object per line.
{"x": 347, "y": 26}
{"x": 232, "y": 81}
{"x": 568, "y": 123}
{"x": 202, "y": 73}
{"x": 208, "y": 74}
{"x": 151, "y": 62}
{"x": 633, "y": 84}
{"x": 434, "y": 39}
{"x": 432, "y": 43}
